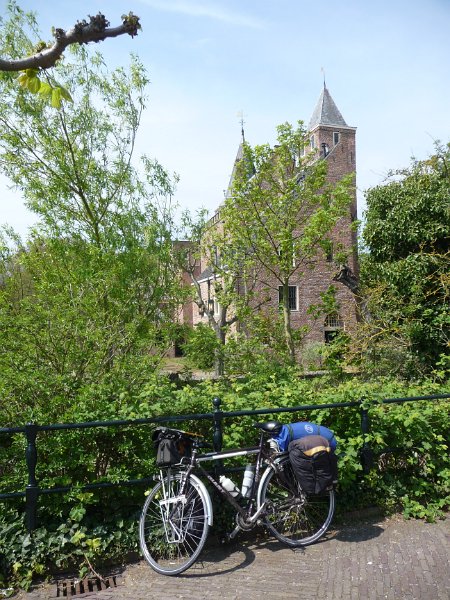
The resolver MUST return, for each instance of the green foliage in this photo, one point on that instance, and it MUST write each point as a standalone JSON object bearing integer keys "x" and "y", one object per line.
{"x": 415, "y": 476}
{"x": 201, "y": 347}
{"x": 335, "y": 354}
{"x": 69, "y": 544}
{"x": 87, "y": 302}
{"x": 405, "y": 274}
{"x": 48, "y": 90}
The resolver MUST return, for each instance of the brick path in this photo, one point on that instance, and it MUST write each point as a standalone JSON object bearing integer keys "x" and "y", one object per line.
{"x": 376, "y": 559}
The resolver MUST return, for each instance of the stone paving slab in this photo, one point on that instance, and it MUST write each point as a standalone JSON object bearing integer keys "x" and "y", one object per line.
{"x": 388, "y": 559}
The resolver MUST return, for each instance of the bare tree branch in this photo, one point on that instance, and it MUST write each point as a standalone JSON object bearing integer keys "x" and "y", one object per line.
{"x": 82, "y": 32}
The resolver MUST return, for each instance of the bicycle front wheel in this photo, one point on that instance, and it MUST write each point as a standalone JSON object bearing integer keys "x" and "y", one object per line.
{"x": 292, "y": 517}
{"x": 174, "y": 525}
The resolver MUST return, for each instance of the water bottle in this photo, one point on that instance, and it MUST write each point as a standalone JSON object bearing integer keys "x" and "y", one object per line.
{"x": 229, "y": 485}
{"x": 247, "y": 482}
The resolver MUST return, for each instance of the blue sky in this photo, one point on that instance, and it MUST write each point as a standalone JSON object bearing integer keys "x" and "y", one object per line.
{"x": 386, "y": 65}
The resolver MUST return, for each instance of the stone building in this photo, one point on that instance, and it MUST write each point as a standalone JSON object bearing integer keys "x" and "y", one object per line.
{"x": 334, "y": 141}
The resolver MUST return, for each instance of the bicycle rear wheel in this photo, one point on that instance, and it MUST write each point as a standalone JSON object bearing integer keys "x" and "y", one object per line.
{"x": 173, "y": 526}
{"x": 292, "y": 517}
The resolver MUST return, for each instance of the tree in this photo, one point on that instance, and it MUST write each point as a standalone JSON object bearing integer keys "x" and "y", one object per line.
{"x": 283, "y": 211}
{"x": 406, "y": 271}
{"x": 216, "y": 268}
{"x": 87, "y": 302}
{"x": 34, "y": 68}
{"x": 46, "y": 55}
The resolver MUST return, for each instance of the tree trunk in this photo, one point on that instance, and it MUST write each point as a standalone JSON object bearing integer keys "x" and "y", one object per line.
{"x": 219, "y": 366}
{"x": 287, "y": 324}
{"x": 218, "y": 325}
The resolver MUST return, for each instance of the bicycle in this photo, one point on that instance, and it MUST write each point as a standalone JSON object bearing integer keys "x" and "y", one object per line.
{"x": 178, "y": 511}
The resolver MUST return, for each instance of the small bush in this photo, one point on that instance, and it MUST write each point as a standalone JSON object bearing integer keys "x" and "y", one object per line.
{"x": 200, "y": 347}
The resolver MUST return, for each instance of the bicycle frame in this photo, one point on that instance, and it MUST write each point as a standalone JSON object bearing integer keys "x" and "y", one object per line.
{"x": 246, "y": 512}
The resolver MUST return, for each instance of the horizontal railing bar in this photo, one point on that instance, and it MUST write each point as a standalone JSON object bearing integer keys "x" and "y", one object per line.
{"x": 269, "y": 411}
{"x": 124, "y": 422}
{"x": 94, "y": 486}
{"x": 176, "y": 418}
{"x": 223, "y": 414}
{"x": 118, "y": 423}
{"x": 12, "y": 430}
{"x": 88, "y": 486}
{"x": 12, "y": 495}
{"x": 415, "y": 399}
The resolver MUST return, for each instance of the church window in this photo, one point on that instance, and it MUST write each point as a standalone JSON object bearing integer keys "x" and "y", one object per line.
{"x": 336, "y": 137}
{"x": 312, "y": 142}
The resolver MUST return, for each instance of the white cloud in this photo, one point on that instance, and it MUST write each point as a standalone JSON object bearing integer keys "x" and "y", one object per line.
{"x": 205, "y": 9}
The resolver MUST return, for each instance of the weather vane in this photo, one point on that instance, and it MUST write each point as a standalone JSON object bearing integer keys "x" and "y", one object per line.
{"x": 323, "y": 73}
{"x": 240, "y": 114}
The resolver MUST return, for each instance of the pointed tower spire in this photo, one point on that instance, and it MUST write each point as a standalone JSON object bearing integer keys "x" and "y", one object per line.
{"x": 239, "y": 157}
{"x": 326, "y": 112}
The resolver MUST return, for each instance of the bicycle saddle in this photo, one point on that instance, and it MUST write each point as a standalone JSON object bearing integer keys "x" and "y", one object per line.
{"x": 271, "y": 427}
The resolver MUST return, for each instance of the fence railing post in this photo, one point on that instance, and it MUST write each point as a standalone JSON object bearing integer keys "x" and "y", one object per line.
{"x": 32, "y": 489}
{"x": 217, "y": 434}
{"x": 366, "y": 451}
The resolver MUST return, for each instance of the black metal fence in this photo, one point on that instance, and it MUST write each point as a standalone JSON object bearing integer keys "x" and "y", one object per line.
{"x": 33, "y": 491}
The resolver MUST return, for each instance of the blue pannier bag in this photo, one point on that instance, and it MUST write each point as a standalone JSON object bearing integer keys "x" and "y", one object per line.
{"x": 295, "y": 431}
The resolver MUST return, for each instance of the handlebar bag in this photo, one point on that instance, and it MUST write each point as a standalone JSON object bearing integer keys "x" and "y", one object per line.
{"x": 314, "y": 464}
{"x": 171, "y": 446}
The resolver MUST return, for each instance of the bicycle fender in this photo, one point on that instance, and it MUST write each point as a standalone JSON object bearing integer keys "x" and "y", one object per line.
{"x": 201, "y": 488}
{"x": 265, "y": 476}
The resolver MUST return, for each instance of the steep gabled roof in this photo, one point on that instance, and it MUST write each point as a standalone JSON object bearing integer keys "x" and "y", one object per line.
{"x": 239, "y": 157}
{"x": 326, "y": 112}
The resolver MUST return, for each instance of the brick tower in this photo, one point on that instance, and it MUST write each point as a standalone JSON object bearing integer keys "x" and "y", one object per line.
{"x": 334, "y": 141}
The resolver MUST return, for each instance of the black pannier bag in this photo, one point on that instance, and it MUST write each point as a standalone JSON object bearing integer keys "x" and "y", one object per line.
{"x": 313, "y": 463}
{"x": 171, "y": 446}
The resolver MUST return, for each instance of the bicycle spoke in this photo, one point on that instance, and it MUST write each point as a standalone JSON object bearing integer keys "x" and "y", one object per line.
{"x": 173, "y": 526}
{"x": 294, "y": 518}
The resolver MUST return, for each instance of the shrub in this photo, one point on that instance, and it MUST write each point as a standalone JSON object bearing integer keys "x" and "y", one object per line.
{"x": 200, "y": 347}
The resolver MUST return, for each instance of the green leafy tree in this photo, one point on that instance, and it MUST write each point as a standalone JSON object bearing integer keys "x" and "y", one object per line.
{"x": 282, "y": 211}
{"x": 87, "y": 301}
{"x": 406, "y": 271}
{"x": 223, "y": 287}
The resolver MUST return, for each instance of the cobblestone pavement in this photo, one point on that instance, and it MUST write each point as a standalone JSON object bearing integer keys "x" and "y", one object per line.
{"x": 375, "y": 559}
